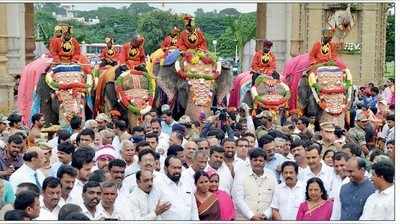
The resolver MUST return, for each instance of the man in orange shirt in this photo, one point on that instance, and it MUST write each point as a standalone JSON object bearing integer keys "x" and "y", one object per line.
{"x": 109, "y": 54}
{"x": 133, "y": 54}
{"x": 171, "y": 40}
{"x": 264, "y": 61}
{"x": 65, "y": 49}
{"x": 191, "y": 37}
{"x": 325, "y": 50}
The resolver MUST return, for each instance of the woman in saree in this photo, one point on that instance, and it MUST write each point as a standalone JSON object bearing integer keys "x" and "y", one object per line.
{"x": 207, "y": 203}
{"x": 317, "y": 207}
{"x": 225, "y": 200}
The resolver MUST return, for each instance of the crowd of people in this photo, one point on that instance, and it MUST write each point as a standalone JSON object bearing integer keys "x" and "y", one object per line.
{"x": 240, "y": 166}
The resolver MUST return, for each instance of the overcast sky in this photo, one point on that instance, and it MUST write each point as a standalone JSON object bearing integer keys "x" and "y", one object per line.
{"x": 179, "y": 7}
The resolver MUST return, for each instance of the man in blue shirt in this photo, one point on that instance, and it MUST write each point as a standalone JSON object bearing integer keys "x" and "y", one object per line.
{"x": 354, "y": 194}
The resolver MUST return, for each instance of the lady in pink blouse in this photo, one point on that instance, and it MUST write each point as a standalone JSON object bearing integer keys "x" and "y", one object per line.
{"x": 317, "y": 207}
{"x": 226, "y": 204}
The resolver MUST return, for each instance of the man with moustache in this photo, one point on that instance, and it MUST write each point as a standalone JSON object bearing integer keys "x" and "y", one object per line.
{"x": 147, "y": 161}
{"x": 199, "y": 159}
{"x": 139, "y": 199}
{"x": 107, "y": 208}
{"x": 49, "y": 201}
{"x": 217, "y": 163}
{"x": 297, "y": 148}
{"x": 91, "y": 198}
{"x": 252, "y": 193}
{"x": 264, "y": 61}
{"x": 289, "y": 194}
{"x": 174, "y": 191}
{"x": 11, "y": 156}
{"x": 229, "y": 154}
{"x": 67, "y": 175}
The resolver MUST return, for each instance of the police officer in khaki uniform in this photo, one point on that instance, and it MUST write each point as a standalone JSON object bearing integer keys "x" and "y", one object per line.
{"x": 328, "y": 136}
{"x": 356, "y": 134}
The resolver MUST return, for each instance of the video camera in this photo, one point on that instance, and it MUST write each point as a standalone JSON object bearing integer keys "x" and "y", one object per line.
{"x": 221, "y": 112}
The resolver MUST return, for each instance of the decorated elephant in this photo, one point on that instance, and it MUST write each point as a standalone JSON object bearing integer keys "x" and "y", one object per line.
{"x": 326, "y": 92}
{"x": 130, "y": 92}
{"x": 62, "y": 92}
{"x": 192, "y": 82}
{"x": 260, "y": 91}
{"x": 323, "y": 91}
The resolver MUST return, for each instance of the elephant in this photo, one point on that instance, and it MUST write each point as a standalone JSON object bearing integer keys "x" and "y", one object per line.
{"x": 260, "y": 92}
{"x": 325, "y": 92}
{"x": 191, "y": 87}
{"x": 130, "y": 92}
{"x": 61, "y": 93}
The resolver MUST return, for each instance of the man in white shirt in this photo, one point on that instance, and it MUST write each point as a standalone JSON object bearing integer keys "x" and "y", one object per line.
{"x": 106, "y": 207}
{"x": 252, "y": 193}
{"x": 199, "y": 162}
{"x": 380, "y": 205}
{"x": 64, "y": 156}
{"x": 116, "y": 169}
{"x": 289, "y": 194}
{"x": 339, "y": 163}
{"x": 49, "y": 202}
{"x": 217, "y": 163}
{"x": 67, "y": 176}
{"x": 274, "y": 160}
{"x": 91, "y": 195}
{"x": 317, "y": 168}
{"x": 29, "y": 171}
{"x": 139, "y": 199}
{"x": 297, "y": 148}
{"x": 147, "y": 161}
{"x": 82, "y": 161}
{"x": 128, "y": 154}
{"x": 174, "y": 191}
{"x": 242, "y": 162}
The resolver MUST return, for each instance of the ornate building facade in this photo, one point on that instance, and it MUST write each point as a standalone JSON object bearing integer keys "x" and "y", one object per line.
{"x": 17, "y": 44}
{"x": 295, "y": 27}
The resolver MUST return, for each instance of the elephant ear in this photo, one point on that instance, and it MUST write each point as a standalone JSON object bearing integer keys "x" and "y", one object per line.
{"x": 168, "y": 80}
{"x": 224, "y": 82}
{"x": 304, "y": 92}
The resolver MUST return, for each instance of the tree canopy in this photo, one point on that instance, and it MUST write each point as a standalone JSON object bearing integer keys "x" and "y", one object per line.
{"x": 152, "y": 23}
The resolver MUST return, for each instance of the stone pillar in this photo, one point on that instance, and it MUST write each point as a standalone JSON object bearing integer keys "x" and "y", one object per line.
{"x": 16, "y": 39}
{"x": 29, "y": 33}
{"x": 6, "y": 84}
{"x": 372, "y": 43}
{"x": 261, "y": 24}
{"x": 279, "y": 29}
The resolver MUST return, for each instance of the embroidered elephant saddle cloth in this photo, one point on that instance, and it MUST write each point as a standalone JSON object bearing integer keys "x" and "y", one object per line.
{"x": 271, "y": 93}
{"x": 135, "y": 91}
{"x": 330, "y": 83}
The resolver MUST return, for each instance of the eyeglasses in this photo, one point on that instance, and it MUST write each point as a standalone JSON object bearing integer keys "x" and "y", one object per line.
{"x": 243, "y": 146}
{"x": 203, "y": 148}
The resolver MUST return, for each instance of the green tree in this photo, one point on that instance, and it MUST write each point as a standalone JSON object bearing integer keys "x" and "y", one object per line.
{"x": 154, "y": 26}
{"x": 390, "y": 37}
{"x": 44, "y": 24}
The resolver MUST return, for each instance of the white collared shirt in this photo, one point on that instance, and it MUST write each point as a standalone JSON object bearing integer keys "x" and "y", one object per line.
{"x": 97, "y": 216}
{"x": 45, "y": 213}
{"x": 379, "y": 205}
{"x": 181, "y": 197}
{"x": 325, "y": 174}
{"x": 225, "y": 178}
{"x": 287, "y": 200}
{"x": 103, "y": 214}
{"x": 25, "y": 174}
{"x": 337, "y": 184}
{"x": 62, "y": 201}
{"x": 139, "y": 206}
{"x": 253, "y": 190}
{"x": 76, "y": 193}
